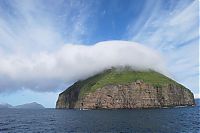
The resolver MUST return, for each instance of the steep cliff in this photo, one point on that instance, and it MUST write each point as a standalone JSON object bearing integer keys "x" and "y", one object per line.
{"x": 126, "y": 88}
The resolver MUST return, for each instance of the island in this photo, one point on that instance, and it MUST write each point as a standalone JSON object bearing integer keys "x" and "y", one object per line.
{"x": 125, "y": 89}
{"x": 32, "y": 105}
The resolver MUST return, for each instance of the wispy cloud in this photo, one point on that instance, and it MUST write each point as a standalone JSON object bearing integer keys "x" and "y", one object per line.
{"x": 172, "y": 28}
{"x": 163, "y": 27}
{"x": 31, "y": 26}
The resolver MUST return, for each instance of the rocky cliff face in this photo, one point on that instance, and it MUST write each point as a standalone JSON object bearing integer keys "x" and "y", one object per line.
{"x": 136, "y": 94}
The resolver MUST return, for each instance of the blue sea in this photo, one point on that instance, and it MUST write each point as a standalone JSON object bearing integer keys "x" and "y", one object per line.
{"x": 169, "y": 120}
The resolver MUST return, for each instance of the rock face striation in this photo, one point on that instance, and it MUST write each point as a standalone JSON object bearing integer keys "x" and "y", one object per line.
{"x": 129, "y": 89}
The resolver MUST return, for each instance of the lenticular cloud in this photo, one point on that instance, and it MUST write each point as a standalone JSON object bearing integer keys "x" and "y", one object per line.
{"x": 47, "y": 71}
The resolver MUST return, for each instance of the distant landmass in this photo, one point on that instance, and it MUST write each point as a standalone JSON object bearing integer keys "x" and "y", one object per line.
{"x": 125, "y": 88}
{"x": 32, "y": 105}
{"x": 5, "y": 105}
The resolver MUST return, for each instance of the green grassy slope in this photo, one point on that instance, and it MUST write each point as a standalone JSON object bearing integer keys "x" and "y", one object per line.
{"x": 114, "y": 76}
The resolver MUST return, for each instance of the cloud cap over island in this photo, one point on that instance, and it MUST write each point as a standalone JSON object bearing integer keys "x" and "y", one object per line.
{"x": 48, "y": 71}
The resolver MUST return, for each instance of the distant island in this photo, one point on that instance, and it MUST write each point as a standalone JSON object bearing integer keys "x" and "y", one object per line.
{"x": 32, "y": 105}
{"x": 125, "y": 89}
{"x": 5, "y": 105}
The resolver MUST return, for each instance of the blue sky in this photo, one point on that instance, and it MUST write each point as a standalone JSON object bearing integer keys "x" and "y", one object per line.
{"x": 35, "y": 34}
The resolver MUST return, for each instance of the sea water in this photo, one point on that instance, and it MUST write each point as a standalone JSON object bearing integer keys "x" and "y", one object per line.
{"x": 169, "y": 120}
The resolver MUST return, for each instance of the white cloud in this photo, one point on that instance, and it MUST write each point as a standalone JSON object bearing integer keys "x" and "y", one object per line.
{"x": 165, "y": 29}
{"x": 30, "y": 34}
{"x": 32, "y": 26}
{"x": 46, "y": 71}
{"x": 173, "y": 31}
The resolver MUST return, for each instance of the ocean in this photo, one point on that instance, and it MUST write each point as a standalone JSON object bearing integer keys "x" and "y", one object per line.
{"x": 169, "y": 120}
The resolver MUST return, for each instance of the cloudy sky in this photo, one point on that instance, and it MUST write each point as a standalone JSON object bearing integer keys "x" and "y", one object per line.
{"x": 47, "y": 45}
